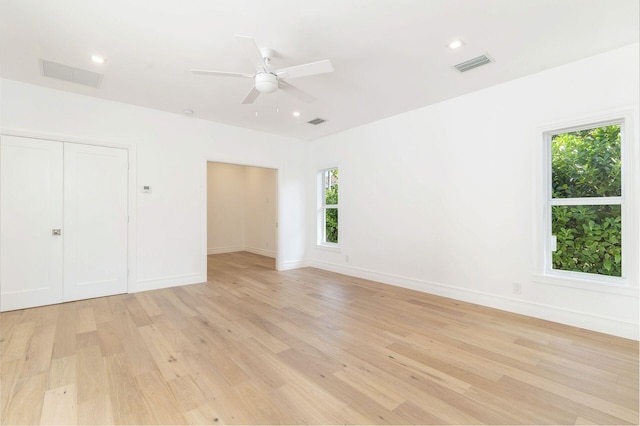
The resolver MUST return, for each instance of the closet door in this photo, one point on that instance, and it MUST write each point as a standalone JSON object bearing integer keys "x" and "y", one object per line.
{"x": 95, "y": 221}
{"x": 31, "y": 211}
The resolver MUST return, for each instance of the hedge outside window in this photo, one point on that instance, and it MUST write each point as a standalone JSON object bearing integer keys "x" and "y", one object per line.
{"x": 586, "y": 200}
{"x": 329, "y": 206}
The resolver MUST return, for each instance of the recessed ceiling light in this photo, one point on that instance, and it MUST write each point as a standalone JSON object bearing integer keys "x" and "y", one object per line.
{"x": 455, "y": 44}
{"x": 296, "y": 114}
{"x": 97, "y": 59}
{"x": 187, "y": 111}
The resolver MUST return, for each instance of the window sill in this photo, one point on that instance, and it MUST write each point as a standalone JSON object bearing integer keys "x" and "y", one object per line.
{"x": 621, "y": 289}
{"x": 329, "y": 247}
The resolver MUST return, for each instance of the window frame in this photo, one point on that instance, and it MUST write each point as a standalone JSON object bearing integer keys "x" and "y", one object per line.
{"x": 322, "y": 208}
{"x": 545, "y": 272}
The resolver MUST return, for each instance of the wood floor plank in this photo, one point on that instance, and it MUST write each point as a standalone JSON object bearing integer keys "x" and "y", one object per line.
{"x": 43, "y": 316}
{"x": 8, "y": 324}
{"x": 305, "y": 395}
{"x": 60, "y": 406}
{"x": 169, "y": 361}
{"x": 110, "y": 337}
{"x": 159, "y": 399}
{"x": 96, "y": 411}
{"x": 10, "y": 377}
{"x": 25, "y": 405}
{"x": 205, "y": 414}
{"x": 127, "y": 401}
{"x": 37, "y": 354}
{"x": 372, "y": 389}
{"x": 66, "y": 331}
{"x": 63, "y": 372}
{"x": 138, "y": 355}
{"x": 151, "y": 309}
{"x": 256, "y": 346}
{"x": 417, "y": 415}
{"x": 205, "y": 374}
{"x": 91, "y": 376}
{"x": 86, "y": 320}
{"x": 17, "y": 340}
{"x": 245, "y": 404}
{"x": 188, "y": 393}
{"x": 136, "y": 311}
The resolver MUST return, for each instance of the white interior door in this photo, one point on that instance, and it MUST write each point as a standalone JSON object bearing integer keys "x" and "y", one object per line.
{"x": 95, "y": 221}
{"x": 31, "y": 208}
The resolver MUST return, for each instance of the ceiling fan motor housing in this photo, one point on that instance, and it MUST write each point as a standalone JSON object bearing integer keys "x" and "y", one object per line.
{"x": 266, "y": 82}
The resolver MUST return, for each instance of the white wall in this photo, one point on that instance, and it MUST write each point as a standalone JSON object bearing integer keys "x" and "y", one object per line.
{"x": 226, "y": 213}
{"x": 260, "y": 210}
{"x": 443, "y": 198}
{"x": 171, "y": 152}
{"x": 241, "y": 209}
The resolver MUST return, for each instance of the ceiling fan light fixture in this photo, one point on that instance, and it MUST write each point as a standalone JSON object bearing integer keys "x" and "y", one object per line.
{"x": 266, "y": 82}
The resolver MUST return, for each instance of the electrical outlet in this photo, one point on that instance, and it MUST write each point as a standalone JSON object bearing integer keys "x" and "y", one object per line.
{"x": 346, "y": 258}
{"x": 516, "y": 288}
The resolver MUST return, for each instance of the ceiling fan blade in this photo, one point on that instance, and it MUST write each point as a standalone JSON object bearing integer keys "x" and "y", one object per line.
{"x": 251, "y": 49}
{"x": 311, "y": 68}
{"x": 223, "y": 73}
{"x": 295, "y": 92}
{"x": 251, "y": 96}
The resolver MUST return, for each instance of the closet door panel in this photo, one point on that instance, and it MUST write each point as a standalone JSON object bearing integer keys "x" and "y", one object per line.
{"x": 31, "y": 209}
{"x": 95, "y": 222}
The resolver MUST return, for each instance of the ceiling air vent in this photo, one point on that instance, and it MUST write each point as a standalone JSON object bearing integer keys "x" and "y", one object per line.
{"x": 67, "y": 73}
{"x": 317, "y": 121}
{"x": 473, "y": 63}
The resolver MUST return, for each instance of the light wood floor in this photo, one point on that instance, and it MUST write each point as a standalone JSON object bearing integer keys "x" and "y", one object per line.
{"x": 257, "y": 346}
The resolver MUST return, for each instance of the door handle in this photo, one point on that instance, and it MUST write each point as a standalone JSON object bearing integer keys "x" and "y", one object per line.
{"x": 56, "y": 232}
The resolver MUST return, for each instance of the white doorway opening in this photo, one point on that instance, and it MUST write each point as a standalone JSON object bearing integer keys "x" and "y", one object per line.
{"x": 242, "y": 213}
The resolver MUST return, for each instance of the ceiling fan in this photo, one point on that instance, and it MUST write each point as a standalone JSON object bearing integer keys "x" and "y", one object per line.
{"x": 267, "y": 80}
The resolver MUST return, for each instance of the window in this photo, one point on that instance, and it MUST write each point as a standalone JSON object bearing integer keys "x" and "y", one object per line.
{"x": 328, "y": 215}
{"x": 585, "y": 202}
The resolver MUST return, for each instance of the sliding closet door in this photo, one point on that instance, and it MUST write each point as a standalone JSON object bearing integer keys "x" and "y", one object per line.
{"x": 31, "y": 222}
{"x": 95, "y": 221}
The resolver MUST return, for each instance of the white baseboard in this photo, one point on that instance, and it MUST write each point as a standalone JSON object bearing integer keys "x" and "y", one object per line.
{"x": 165, "y": 282}
{"x": 230, "y": 249}
{"x": 584, "y": 320}
{"x": 293, "y": 264}
{"x": 261, "y": 252}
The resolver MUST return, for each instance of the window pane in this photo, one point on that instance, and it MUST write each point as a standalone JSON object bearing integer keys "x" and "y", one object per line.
{"x": 586, "y": 163}
{"x": 331, "y": 187}
{"x": 589, "y": 239}
{"x": 331, "y": 225}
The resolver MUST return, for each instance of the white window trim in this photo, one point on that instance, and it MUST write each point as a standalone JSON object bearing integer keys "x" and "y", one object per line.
{"x": 321, "y": 228}
{"x": 543, "y": 273}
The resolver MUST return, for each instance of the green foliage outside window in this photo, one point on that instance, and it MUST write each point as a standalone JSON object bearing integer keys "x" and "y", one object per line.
{"x": 331, "y": 225}
{"x": 331, "y": 198}
{"x": 587, "y": 163}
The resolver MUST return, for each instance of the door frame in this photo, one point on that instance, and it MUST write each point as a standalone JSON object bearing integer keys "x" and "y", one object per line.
{"x": 204, "y": 209}
{"x": 131, "y": 185}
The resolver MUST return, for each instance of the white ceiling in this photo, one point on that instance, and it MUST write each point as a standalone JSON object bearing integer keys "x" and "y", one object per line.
{"x": 390, "y": 56}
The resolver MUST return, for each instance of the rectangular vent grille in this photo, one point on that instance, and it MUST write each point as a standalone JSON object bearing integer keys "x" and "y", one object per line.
{"x": 317, "y": 121}
{"x": 473, "y": 63}
{"x": 67, "y": 73}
